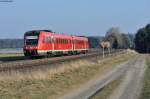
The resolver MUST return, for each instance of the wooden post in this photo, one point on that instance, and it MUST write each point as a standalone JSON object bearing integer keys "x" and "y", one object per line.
{"x": 109, "y": 50}
{"x": 103, "y": 52}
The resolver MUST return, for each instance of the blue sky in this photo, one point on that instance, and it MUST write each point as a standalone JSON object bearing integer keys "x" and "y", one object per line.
{"x": 77, "y": 17}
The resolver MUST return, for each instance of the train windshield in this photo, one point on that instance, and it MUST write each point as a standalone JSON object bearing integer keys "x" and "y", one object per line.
{"x": 31, "y": 38}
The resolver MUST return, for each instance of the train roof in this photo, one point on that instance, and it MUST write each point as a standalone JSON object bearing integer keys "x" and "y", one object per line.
{"x": 80, "y": 38}
{"x": 38, "y": 31}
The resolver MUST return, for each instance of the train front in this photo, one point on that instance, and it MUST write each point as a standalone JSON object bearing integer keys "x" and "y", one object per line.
{"x": 31, "y": 43}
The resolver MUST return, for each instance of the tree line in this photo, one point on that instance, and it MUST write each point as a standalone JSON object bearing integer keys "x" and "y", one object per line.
{"x": 142, "y": 39}
{"x": 119, "y": 40}
{"x": 11, "y": 43}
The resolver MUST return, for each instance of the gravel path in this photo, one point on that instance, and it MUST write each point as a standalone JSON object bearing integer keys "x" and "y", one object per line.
{"x": 94, "y": 85}
{"x": 132, "y": 84}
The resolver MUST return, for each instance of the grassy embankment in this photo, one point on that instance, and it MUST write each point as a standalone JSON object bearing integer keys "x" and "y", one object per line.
{"x": 146, "y": 86}
{"x": 56, "y": 82}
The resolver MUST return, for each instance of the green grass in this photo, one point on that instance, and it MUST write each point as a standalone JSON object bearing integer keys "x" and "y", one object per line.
{"x": 10, "y": 55}
{"x": 45, "y": 86}
{"x": 107, "y": 90}
{"x": 146, "y": 87}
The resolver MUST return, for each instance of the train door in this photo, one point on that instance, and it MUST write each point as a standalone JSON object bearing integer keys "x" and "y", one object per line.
{"x": 52, "y": 40}
{"x": 73, "y": 42}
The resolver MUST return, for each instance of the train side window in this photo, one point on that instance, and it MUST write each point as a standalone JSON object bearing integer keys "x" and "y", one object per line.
{"x": 56, "y": 41}
{"x": 48, "y": 40}
{"x": 67, "y": 41}
{"x": 60, "y": 41}
{"x": 63, "y": 41}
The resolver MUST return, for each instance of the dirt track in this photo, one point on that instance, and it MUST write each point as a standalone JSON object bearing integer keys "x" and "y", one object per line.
{"x": 129, "y": 89}
{"x": 131, "y": 86}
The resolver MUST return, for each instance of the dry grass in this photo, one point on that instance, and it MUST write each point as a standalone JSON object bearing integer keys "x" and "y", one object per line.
{"x": 107, "y": 90}
{"x": 46, "y": 74}
{"x": 146, "y": 86}
{"x": 55, "y": 82}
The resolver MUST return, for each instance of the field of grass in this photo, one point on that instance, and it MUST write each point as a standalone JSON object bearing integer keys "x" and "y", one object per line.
{"x": 9, "y": 55}
{"x": 146, "y": 87}
{"x": 52, "y": 83}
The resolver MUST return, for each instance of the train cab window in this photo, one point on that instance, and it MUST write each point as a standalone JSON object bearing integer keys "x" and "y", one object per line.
{"x": 31, "y": 38}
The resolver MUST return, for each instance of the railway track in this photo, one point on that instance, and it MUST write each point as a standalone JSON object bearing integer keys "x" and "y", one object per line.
{"x": 22, "y": 58}
{"x": 27, "y": 65}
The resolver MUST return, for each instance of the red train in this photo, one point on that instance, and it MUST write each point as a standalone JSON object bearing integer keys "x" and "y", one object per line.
{"x": 45, "y": 42}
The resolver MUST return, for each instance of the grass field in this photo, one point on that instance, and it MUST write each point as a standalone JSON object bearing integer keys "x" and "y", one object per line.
{"x": 146, "y": 87}
{"x": 9, "y": 55}
{"x": 53, "y": 83}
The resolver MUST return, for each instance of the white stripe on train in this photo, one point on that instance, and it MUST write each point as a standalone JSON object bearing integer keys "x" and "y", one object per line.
{"x": 44, "y": 51}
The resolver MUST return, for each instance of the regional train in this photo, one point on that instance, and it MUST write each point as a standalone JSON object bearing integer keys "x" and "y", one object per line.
{"x": 48, "y": 43}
